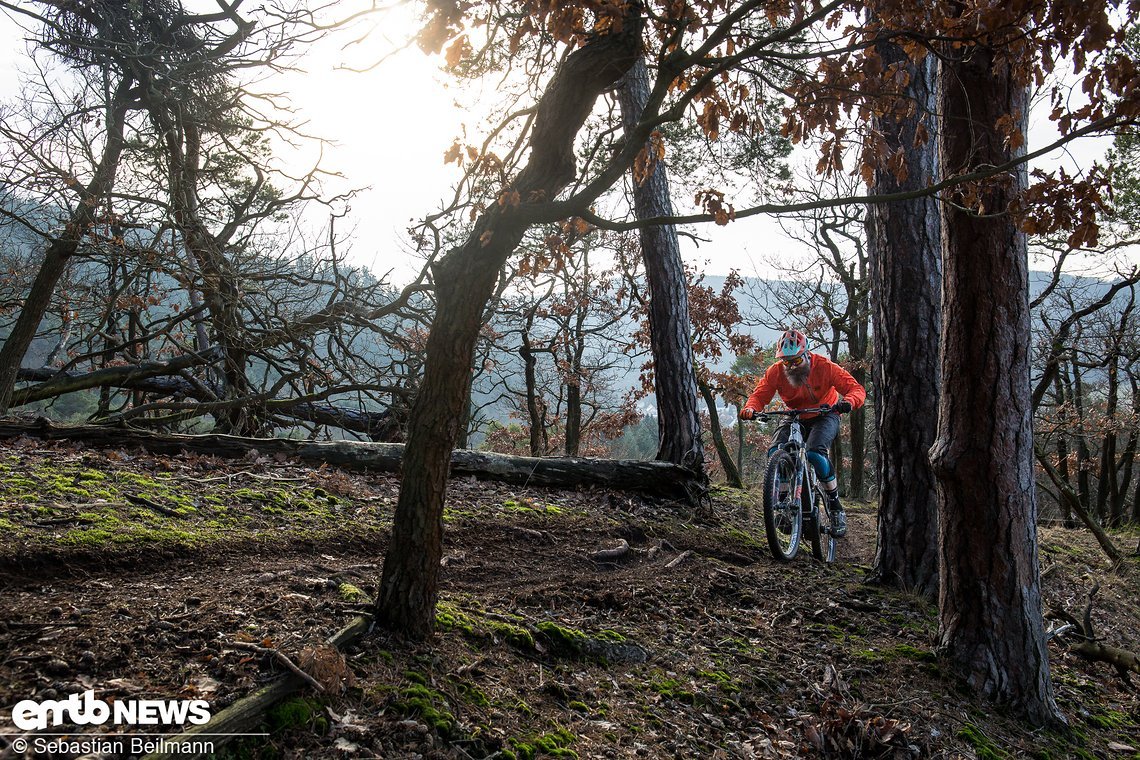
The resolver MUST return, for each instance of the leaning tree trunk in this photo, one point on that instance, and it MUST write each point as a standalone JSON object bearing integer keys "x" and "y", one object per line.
{"x": 61, "y": 249}
{"x": 731, "y": 472}
{"x": 991, "y": 628}
{"x": 903, "y": 247}
{"x": 674, "y": 373}
{"x": 465, "y": 279}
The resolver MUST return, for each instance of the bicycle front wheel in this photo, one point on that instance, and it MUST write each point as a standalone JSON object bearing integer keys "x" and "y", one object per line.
{"x": 823, "y": 544}
{"x": 783, "y": 522}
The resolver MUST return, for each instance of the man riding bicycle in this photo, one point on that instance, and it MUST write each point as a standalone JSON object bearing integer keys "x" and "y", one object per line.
{"x": 806, "y": 380}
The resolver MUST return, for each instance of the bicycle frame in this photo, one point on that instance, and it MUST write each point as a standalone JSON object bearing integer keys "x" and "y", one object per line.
{"x": 795, "y": 446}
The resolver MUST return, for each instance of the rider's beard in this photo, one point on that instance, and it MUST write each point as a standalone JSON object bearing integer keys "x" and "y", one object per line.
{"x": 797, "y": 376}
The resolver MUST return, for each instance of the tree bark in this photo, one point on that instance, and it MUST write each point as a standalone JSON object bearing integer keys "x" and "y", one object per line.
{"x": 903, "y": 247}
{"x": 674, "y": 373}
{"x": 61, "y": 249}
{"x": 857, "y": 421}
{"x": 465, "y": 279}
{"x": 660, "y": 479}
{"x": 1128, "y": 459}
{"x": 990, "y": 618}
{"x": 533, "y": 406}
{"x": 731, "y": 473}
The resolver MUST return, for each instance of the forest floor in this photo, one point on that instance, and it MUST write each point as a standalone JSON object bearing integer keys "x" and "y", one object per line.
{"x": 149, "y": 577}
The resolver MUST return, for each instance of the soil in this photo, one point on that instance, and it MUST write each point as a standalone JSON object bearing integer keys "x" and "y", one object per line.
{"x": 145, "y": 577}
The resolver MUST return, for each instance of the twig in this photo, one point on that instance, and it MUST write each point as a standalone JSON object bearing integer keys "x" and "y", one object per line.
{"x": 144, "y": 502}
{"x": 249, "y": 474}
{"x": 281, "y": 658}
{"x": 679, "y": 559}
{"x": 55, "y": 522}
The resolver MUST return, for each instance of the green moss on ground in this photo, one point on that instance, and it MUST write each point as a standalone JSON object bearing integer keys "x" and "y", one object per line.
{"x": 94, "y": 512}
{"x": 297, "y": 713}
{"x": 417, "y": 700}
{"x": 985, "y": 748}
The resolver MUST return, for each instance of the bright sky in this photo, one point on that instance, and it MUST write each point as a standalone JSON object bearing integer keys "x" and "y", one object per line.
{"x": 390, "y": 127}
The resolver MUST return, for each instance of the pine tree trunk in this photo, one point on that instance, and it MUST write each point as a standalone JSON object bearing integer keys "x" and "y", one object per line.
{"x": 465, "y": 279}
{"x": 904, "y": 249}
{"x": 674, "y": 375}
{"x": 1128, "y": 459}
{"x": 991, "y": 627}
{"x": 574, "y": 387}
{"x": 857, "y": 423}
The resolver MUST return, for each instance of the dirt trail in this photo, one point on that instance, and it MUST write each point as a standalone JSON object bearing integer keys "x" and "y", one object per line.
{"x": 746, "y": 657}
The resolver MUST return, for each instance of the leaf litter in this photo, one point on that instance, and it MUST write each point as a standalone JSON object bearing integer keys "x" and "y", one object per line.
{"x": 744, "y": 657}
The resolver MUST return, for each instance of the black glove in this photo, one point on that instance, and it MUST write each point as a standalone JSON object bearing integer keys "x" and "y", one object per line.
{"x": 841, "y": 406}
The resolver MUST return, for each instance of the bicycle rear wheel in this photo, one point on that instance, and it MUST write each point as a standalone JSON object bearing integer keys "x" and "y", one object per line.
{"x": 783, "y": 522}
{"x": 818, "y": 528}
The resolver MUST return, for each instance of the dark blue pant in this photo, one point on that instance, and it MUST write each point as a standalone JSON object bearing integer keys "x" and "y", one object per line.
{"x": 819, "y": 432}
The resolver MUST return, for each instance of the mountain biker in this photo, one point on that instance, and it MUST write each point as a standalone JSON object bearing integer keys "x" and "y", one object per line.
{"x": 804, "y": 380}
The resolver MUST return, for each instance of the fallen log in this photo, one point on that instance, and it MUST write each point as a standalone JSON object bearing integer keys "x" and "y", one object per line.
{"x": 248, "y": 712}
{"x": 661, "y": 479}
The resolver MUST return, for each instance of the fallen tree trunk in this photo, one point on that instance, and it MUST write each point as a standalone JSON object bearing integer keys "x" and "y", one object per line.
{"x": 56, "y": 383}
{"x": 650, "y": 477}
{"x": 162, "y": 380}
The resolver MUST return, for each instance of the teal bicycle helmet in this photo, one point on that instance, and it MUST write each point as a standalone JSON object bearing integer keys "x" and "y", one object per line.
{"x": 791, "y": 346}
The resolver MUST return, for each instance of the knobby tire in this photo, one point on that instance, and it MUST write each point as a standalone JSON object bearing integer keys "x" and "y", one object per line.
{"x": 823, "y": 544}
{"x": 783, "y": 524}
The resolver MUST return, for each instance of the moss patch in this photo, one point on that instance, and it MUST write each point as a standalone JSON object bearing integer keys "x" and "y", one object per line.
{"x": 295, "y": 713}
{"x": 984, "y": 746}
{"x": 419, "y": 701}
{"x": 554, "y": 744}
{"x": 351, "y": 593}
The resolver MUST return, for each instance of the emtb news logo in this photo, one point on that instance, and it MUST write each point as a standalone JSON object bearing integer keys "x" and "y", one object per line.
{"x": 30, "y": 715}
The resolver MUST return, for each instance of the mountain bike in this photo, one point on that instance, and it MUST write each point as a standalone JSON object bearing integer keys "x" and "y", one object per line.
{"x": 794, "y": 500}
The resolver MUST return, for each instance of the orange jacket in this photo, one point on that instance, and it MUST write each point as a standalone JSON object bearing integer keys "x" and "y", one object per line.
{"x": 825, "y": 382}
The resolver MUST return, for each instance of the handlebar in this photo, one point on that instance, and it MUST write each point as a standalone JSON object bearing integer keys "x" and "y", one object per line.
{"x": 823, "y": 409}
